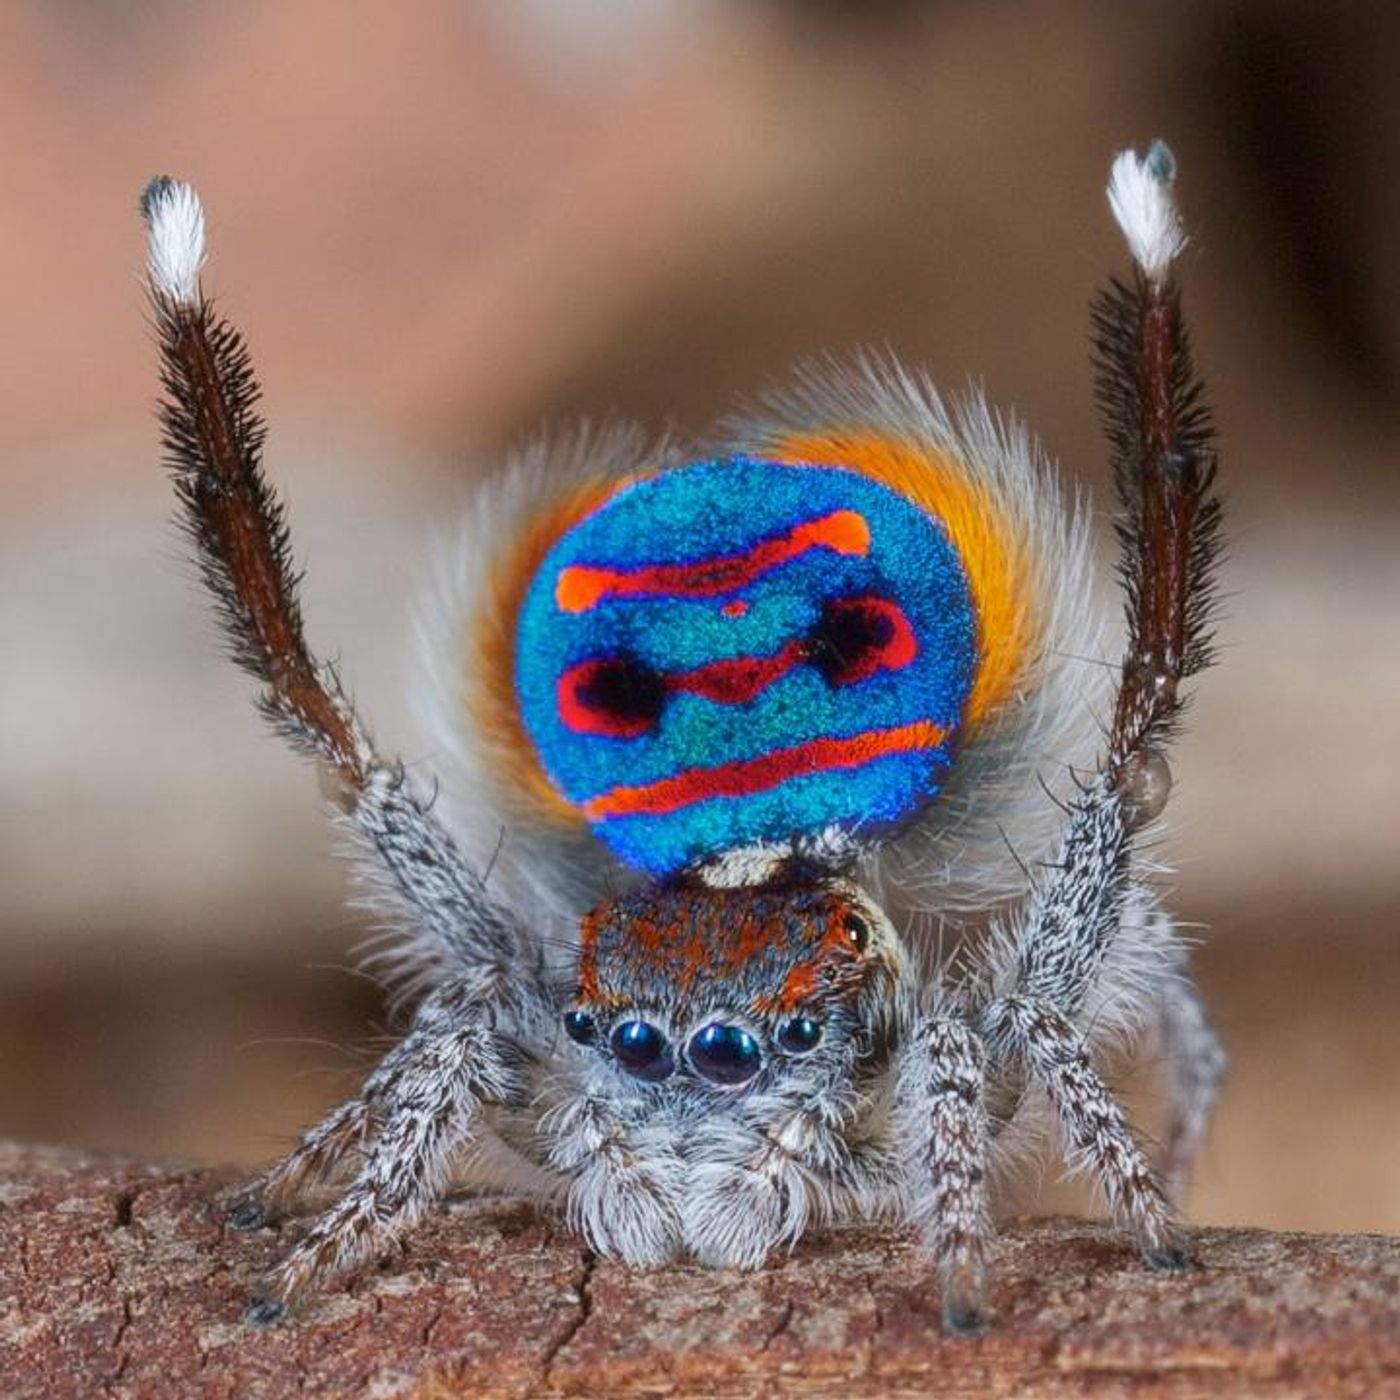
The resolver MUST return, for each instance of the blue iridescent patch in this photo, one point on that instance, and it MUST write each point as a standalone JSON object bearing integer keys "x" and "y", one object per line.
{"x": 740, "y": 650}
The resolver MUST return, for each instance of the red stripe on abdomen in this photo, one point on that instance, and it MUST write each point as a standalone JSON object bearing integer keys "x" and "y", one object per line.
{"x": 740, "y": 679}
{"x": 765, "y": 771}
{"x": 622, "y": 698}
{"x": 581, "y": 587}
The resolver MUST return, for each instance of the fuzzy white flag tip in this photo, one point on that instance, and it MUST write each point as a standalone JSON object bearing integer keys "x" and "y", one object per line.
{"x": 175, "y": 238}
{"x": 1141, "y": 196}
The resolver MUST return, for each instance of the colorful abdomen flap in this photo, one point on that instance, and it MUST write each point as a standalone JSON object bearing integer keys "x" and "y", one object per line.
{"x": 742, "y": 651}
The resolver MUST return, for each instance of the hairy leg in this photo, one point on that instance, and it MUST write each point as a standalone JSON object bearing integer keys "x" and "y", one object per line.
{"x": 1097, "y": 1136}
{"x": 450, "y": 933}
{"x": 452, "y": 1061}
{"x": 1195, "y": 1068}
{"x": 318, "y": 1159}
{"x": 1068, "y": 948}
{"x": 213, "y": 438}
{"x": 943, "y": 1136}
{"x": 321, "y": 1155}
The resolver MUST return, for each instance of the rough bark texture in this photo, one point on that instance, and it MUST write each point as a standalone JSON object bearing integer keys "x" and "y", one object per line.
{"x": 119, "y": 1278}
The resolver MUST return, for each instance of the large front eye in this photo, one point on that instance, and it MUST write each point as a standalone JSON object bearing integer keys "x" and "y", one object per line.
{"x": 642, "y": 1051}
{"x": 724, "y": 1054}
{"x": 619, "y": 697}
{"x": 856, "y": 638}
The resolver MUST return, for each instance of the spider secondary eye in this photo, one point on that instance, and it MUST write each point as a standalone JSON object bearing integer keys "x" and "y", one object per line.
{"x": 858, "y": 931}
{"x": 724, "y": 1054}
{"x": 619, "y": 697}
{"x": 580, "y": 1027}
{"x": 800, "y": 1035}
{"x": 642, "y": 1051}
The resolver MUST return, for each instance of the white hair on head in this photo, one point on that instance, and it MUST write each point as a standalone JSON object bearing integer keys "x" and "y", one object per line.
{"x": 1140, "y": 195}
{"x": 175, "y": 238}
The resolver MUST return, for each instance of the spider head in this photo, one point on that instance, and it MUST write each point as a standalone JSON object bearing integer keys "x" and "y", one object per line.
{"x": 728, "y": 988}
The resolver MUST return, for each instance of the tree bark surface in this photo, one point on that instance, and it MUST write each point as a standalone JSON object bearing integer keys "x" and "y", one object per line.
{"x": 119, "y": 1278}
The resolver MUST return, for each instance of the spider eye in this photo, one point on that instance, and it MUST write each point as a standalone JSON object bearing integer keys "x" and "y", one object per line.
{"x": 800, "y": 1035}
{"x": 619, "y": 697}
{"x": 642, "y": 1051}
{"x": 856, "y": 638}
{"x": 580, "y": 1027}
{"x": 724, "y": 1054}
{"x": 858, "y": 931}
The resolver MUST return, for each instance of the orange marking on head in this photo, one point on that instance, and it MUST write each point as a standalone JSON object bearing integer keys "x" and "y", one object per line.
{"x": 836, "y": 938}
{"x": 993, "y": 555}
{"x": 798, "y": 986}
{"x": 750, "y": 936}
{"x": 588, "y": 958}
{"x": 489, "y": 681}
{"x": 736, "y": 608}
{"x": 694, "y": 959}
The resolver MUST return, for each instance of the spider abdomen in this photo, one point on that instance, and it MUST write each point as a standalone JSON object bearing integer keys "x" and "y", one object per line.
{"x": 737, "y": 650}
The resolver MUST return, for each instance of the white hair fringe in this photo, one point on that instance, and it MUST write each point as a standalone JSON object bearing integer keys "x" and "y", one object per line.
{"x": 174, "y": 238}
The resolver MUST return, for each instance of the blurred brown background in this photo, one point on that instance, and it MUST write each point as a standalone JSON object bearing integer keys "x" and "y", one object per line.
{"x": 443, "y": 223}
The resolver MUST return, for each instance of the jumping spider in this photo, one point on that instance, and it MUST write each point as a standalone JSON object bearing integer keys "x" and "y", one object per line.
{"x": 717, "y": 705}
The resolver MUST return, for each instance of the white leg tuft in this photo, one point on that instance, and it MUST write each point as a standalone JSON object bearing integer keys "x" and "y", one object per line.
{"x": 1140, "y": 195}
{"x": 175, "y": 238}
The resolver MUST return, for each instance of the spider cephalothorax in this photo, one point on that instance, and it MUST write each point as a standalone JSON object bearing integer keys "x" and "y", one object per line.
{"x": 830, "y": 654}
{"x": 732, "y": 988}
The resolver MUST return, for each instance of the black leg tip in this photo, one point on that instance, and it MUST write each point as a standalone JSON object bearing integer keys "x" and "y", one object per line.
{"x": 265, "y": 1312}
{"x": 1170, "y": 1259}
{"x": 247, "y": 1214}
{"x": 964, "y": 1320}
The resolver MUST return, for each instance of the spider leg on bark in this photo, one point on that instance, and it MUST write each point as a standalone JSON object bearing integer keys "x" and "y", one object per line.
{"x": 325, "y": 1152}
{"x": 1163, "y": 455}
{"x": 463, "y": 1047}
{"x": 945, "y": 1138}
{"x": 213, "y": 438}
{"x": 1195, "y": 1064}
{"x": 453, "y": 1061}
